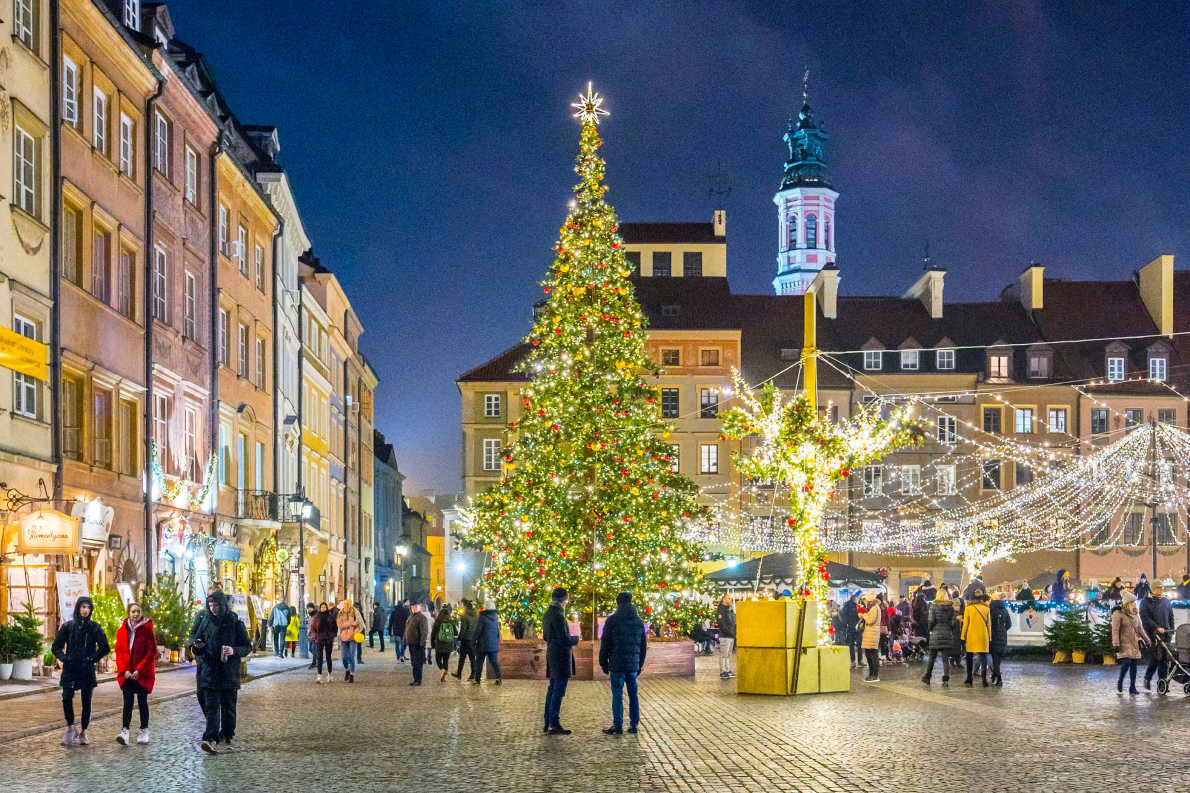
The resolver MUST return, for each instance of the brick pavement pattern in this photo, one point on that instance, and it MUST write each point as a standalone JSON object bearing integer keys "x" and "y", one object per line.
{"x": 1048, "y": 729}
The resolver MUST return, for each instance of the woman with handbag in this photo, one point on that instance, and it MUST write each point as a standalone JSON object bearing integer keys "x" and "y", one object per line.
{"x": 871, "y": 638}
{"x": 322, "y": 631}
{"x": 442, "y": 637}
{"x": 351, "y": 631}
{"x": 136, "y": 669}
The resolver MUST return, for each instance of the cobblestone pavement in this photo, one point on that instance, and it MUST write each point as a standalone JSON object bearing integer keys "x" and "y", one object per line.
{"x": 1048, "y": 729}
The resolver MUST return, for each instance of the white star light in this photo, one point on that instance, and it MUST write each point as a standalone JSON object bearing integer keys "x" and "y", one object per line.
{"x": 589, "y": 107}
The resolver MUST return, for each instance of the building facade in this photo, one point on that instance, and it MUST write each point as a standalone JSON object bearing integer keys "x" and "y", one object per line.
{"x": 388, "y": 522}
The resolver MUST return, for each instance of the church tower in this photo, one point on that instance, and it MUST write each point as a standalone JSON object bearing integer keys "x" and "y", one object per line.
{"x": 805, "y": 206}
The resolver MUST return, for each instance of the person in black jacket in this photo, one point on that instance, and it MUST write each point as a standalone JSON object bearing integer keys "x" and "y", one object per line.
{"x": 622, "y": 650}
{"x": 485, "y": 642}
{"x": 1001, "y": 621}
{"x": 942, "y": 636}
{"x": 1156, "y": 617}
{"x": 850, "y": 618}
{"x": 80, "y": 643}
{"x": 377, "y": 625}
{"x": 396, "y": 627}
{"x": 928, "y": 590}
{"x": 559, "y": 660}
{"x": 218, "y": 641}
{"x": 725, "y": 619}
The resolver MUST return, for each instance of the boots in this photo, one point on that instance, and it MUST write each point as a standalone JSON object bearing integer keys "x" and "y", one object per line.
{"x": 443, "y": 678}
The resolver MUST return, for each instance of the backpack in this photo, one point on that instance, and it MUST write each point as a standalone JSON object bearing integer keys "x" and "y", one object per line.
{"x": 447, "y": 632}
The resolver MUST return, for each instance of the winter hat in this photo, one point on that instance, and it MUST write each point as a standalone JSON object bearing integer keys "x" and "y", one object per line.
{"x": 489, "y": 604}
{"x": 1129, "y": 597}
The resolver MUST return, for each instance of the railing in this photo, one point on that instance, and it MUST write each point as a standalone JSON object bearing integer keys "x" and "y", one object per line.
{"x": 258, "y": 505}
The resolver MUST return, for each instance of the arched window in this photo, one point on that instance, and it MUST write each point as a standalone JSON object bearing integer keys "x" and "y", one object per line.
{"x": 811, "y": 231}
{"x": 826, "y": 234}
{"x": 792, "y": 232}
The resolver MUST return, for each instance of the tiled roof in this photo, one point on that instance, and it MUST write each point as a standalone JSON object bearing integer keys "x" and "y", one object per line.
{"x": 499, "y": 368}
{"x": 644, "y": 233}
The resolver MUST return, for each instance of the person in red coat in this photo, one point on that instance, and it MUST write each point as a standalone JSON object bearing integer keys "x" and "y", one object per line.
{"x": 136, "y": 668}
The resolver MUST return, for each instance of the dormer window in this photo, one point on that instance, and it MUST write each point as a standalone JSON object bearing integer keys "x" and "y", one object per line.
{"x": 1040, "y": 365}
{"x": 1115, "y": 368}
{"x": 909, "y": 360}
{"x": 132, "y": 14}
{"x": 1157, "y": 368}
{"x": 999, "y": 366}
{"x": 944, "y": 359}
{"x": 872, "y": 360}
{"x": 662, "y": 264}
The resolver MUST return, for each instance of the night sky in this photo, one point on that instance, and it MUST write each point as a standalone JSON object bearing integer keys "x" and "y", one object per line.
{"x": 430, "y": 147}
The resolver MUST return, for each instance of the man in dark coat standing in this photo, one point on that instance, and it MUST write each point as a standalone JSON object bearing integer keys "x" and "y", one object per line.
{"x": 377, "y": 625}
{"x": 396, "y": 627}
{"x": 79, "y": 644}
{"x": 417, "y": 634}
{"x": 1156, "y": 616}
{"x": 622, "y": 651}
{"x": 559, "y": 660}
{"x": 218, "y": 641}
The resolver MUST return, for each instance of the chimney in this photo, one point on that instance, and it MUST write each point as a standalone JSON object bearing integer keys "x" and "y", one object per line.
{"x": 1155, "y": 281}
{"x": 1032, "y": 287}
{"x": 719, "y": 221}
{"x": 826, "y": 291}
{"x": 928, "y": 289}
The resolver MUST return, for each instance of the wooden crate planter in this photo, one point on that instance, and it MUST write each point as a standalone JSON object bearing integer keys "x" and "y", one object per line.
{"x": 524, "y": 659}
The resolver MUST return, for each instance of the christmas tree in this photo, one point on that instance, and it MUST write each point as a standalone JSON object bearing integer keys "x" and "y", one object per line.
{"x": 589, "y": 499}
{"x": 170, "y": 612}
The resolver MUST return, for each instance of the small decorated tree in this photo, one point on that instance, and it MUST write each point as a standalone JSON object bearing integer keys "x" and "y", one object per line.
{"x": 170, "y": 612}
{"x": 1069, "y": 632}
{"x": 108, "y": 613}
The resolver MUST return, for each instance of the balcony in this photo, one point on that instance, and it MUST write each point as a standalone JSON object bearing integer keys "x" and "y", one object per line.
{"x": 258, "y": 505}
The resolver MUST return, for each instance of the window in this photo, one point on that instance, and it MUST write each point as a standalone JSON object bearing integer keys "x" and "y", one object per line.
{"x": 161, "y": 143}
{"x": 161, "y": 428}
{"x": 124, "y": 283}
{"x": 671, "y": 357}
{"x": 991, "y": 420}
{"x": 241, "y": 252}
{"x": 709, "y": 458}
{"x": 708, "y": 403}
{"x": 1024, "y": 475}
{"x": 191, "y": 175}
{"x": 708, "y": 357}
{"x": 873, "y": 480}
{"x": 224, "y": 336}
{"x": 1133, "y": 529}
{"x": 224, "y": 456}
{"x": 792, "y": 232}
{"x": 692, "y": 264}
{"x": 826, "y": 234}
{"x": 675, "y": 459}
{"x": 259, "y": 466}
{"x": 811, "y": 231}
{"x": 1057, "y": 419}
{"x": 670, "y": 310}
{"x": 190, "y": 308}
{"x": 491, "y": 454}
{"x": 70, "y": 92}
{"x": 1133, "y": 418}
{"x": 1098, "y": 421}
{"x": 132, "y": 14}
{"x": 910, "y": 480}
{"x": 25, "y": 176}
{"x": 1157, "y": 369}
{"x": 24, "y": 20}
{"x": 1024, "y": 420}
{"x": 99, "y": 121}
{"x": 128, "y": 437}
{"x": 662, "y": 265}
{"x": 909, "y": 360}
{"x": 160, "y": 285}
{"x": 101, "y": 429}
{"x": 1167, "y": 415}
{"x": 101, "y": 265}
{"x": 633, "y": 259}
{"x": 127, "y": 134}
{"x": 1039, "y": 365}
{"x": 72, "y": 417}
{"x": 190, "y": 443}
{"x": 1167, "y": 526}
{"x": 669, "y": 403}
{"x": 946, "y": 430}
{"x": 872, "y": 360}
{"x": 998, "y": 366}
{"x": 261, "y": 360}
{"x": 224, "y": 231}
{"x": 71, "y": 244}
{"x": 242, "y": 461}
{"x": 946, "y": 480}
{"x": 25, "y": 390}
{"x": 242, "y": 361}
{"x": 491, "y": 405}
{"x": 1115, "y": 368}
{"x": 944, "y": 359}
{"x": 259, "y": 256}
{"x": 991, "y": 474}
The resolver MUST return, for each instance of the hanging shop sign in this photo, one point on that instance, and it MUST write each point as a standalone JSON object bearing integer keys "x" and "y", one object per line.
{"x": 239, "y": 604}
{"x": 47, "y": 531}
{"x": 22, "y": 354}
{"x": 95, "y": 520}
{"x": 71, "y": 587}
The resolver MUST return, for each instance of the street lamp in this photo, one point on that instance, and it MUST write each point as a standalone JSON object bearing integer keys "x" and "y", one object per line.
{"x": 301, "y": 508}
{"x": 401, "y": 552}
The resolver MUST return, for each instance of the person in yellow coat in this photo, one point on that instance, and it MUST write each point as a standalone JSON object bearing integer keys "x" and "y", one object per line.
{"x": 871, "y": 641}
{"x": 291, "y": 633}
{"x": 977, "y": 634}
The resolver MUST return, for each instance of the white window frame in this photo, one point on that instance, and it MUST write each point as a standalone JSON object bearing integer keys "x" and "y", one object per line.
{"x": 945, "y": 480}
{"x": 1039, "y": 365}
{"x": 161, "y": 428}
{"x": 160, "y": 284}
{"x": 123, "y": 281}
{"x": 1022, "y": 420}
{"x": 675, "y": 465}
{"x": 1115, "y": 368}
{"x": 242, "y": 249}
{"x": 132, "y": 14}
{"x": 191, "y": 175}
{"x": 127, "y": 136}
{"x": 873, "y": 482}
{"x": 944, "y": 358}
{"x": 258, "y": 253}
{"x": 224, "y": 340}
{"x": 242, "y": 349}
{"x": 224, "y": 230}
{"x": 910, "y": 480}
{"x": 1057, "y": 419}
{"x": 70, "y": 91}
{"x": 708, "y": 457}
{"x": 161, "y": 132}
{"x": 190, "y": 307}
{"x": 491, "y": 454}
{"x": 25, "y": 179}
{"x": 24, "y": 21}
{"x": 873, "y": 360}
{"x": 25, "y": 389}
{"x": 999, "y": 366}
{"x": 910, "y": 360}
{"x": 491, "y": 406}
{"x": 99, "y": 120}
{"x": 260, "y": 362}
{"x": 190, "y": 442}
{"x": 947, "y": 430}
{"x": 1158, "y": 368}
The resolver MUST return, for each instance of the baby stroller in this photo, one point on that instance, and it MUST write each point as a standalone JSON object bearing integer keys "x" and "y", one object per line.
{"x": 1178, "y": 660}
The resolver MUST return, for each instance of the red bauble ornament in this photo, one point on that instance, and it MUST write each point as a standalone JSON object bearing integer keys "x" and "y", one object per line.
{"x": 546, "y": 290}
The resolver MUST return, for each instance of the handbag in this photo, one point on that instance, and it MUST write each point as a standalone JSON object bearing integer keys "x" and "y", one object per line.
{"x": 358, "y": 638}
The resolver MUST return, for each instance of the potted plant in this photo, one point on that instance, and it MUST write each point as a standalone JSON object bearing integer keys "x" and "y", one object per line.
{"x": 5, "y": 653}
{"x": 24, "y": 643}
{"x": 1101, "y": 642}
{"x": 170, "y": 612}
{"x": 1068, "y": 637}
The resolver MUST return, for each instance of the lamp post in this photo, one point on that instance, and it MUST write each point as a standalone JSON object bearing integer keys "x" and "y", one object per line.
{"x": 301, "y": 508}
{"x": 402, "y": 551}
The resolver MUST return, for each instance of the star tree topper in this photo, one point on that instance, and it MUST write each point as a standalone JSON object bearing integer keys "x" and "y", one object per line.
{"x": 589, "y": 107}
